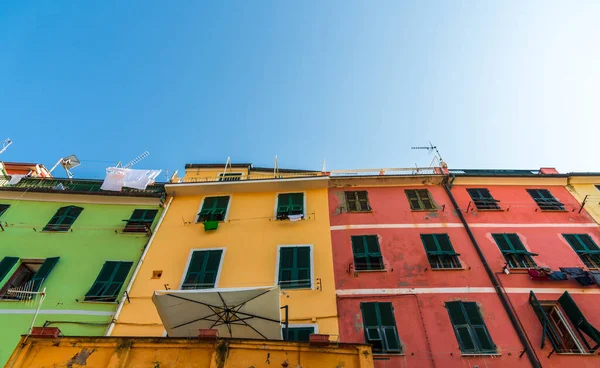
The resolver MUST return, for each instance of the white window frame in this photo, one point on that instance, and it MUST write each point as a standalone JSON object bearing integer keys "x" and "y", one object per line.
{"x": 187, "y": 265}
{"x": 211, "y": 196}
{"x": 300, "y": 325}
{"x": 292, "y": 192}
{"x": 312, "y": 266}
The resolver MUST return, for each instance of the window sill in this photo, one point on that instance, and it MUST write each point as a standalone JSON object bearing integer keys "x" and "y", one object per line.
{"x": 369, "y": 211}
{"x": 490, "y": 210}
{"x": 96, "y": 302}
{"x": 466, "y": 355}
{"x": 576, "y": 353}
{"x": 425, "y": 210}
{"x": 13, "y": 300}
{"x": 297, "y": 289}
{"x": 554, "y": 210}
{"x": 383, "y": 355}
{"x": 361, "y": 271}
{"x": 448, "y": 269}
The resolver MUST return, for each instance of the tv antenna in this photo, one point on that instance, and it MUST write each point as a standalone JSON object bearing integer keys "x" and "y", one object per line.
{"x": 432, "y": 148}
{"x": 67, "y": 163}
{"x": 4, "y": 145}
{"x": 134, "y": 161}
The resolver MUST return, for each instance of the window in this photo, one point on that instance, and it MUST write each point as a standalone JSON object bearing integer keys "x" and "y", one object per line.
{"x": 598, "y": 186}
{"x": 380, "y": 327}
{"x": 29, "y": 276}
{"x": 301, "y": 334}
{"x": 295, "y": 267}
{"x": 290, "y": 204}
{"x": 514, "y": 251}
{"x": 213, "y": 209}
{"x": 482, "y": 199}
{"x": 420, "y": 199}
{"x": 440, "y": 252}
{"x": 545, "y": 200}
{"x": 564, "y": 325}
{"x": 63, "y": 219}
{"x": 357, "y": 201}
{"x": 140, "y": 221}
{"x": 472, "y": 334}
{"x": 109, "y": 281}
{"x": 367, "y": 255}
{"x": 3, "y": 208}
{"x": 230, "y": 177}
{"x": 585, "y": 248}
{"x": 203, "y": 269}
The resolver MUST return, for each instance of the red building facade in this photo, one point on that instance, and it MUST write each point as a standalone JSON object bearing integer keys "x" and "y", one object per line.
{"x": 420, "y": 275}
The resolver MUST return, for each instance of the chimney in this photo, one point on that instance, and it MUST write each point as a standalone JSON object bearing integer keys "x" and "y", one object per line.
{"x": 548, "y": 170}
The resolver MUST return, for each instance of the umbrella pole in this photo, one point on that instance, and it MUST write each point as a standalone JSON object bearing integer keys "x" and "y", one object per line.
{"x": 287, "y": 324}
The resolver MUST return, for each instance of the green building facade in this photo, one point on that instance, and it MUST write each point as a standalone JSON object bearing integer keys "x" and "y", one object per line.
{"x": 72, "y": 247}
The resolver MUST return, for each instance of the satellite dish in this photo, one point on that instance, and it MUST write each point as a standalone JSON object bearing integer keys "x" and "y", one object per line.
{"x": 67, "y": 163}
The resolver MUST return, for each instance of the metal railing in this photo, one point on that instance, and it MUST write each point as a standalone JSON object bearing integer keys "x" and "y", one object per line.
{"x": 411, "y": 171}
{"x": 244, "y": 177}
{"x": 70, "y": 185}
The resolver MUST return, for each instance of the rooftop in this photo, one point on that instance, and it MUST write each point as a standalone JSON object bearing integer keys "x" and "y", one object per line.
{"x": 77, "y": 186}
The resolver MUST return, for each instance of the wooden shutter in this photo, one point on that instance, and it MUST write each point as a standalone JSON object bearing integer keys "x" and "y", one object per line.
{"x": 461, "y": 327}
{"x": 63, "y": 218}
{"x": 6, "y": 265}
{"x": 43, "y": 272}
{"x": 413, "y": 199}
{"x": 296, "y": 204}
{"x": 363, "y": 201}
{"x": 203, "y": 269}
{"x": 3, "y": 208}
{"x": 578, "y": 319}
{"x": 373, "y": 336}
{"x": 294, "y": 267}
{"x": 213, "y": 209}
{"x": 547, "y": 328}
{"x": 301, "y": 334}
{"x": 303, "y": 266}
{"x": 109, "y": 281}
{"x": 388, "y": 327}
{"x": 476, "y": 322}
{"x": 140, "y": 221}
{"x": 351, "y": 201}
{"x": 425, "y": 198}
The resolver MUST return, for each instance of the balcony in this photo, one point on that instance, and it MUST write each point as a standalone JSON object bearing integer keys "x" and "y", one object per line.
{"x": 79, "y": 186}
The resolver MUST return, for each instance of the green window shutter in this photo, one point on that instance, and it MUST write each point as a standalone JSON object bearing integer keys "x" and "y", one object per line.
{"x": 483, "y": 199}
{"x": 588, "y": 242}
{"x": 6, "y": 265}
{"x": 461, "y": 327}
{"x": 63, "y": 219}
{"x": 294, "y": 267}
{"x": 440, "y": 252}
{"x": 425, "y": 197}
{"x": 140, "y": 221}
{"x": 43, "y": 272}
{"x": 367, "y": 254}
{"x": 3, "y": 208}
{"x": 545, "y": 199}
{"x": 351, "y": 201}
{"x": 109, "y": 281}
{"x": 547, "y": 328}
{"x": 444, "y": 243}
{"x": 213, "y": 209}
{"x": 502, "y": 242}
{"x": 484, "y": 341}
{"x": 300, "y": 334}
{"x": 290, "y": 204}
{"x": 380, "y": 327}
{"x": 413, "y": 199}
{"x": 578, "y": 320}
{"x": 203, "y": 269}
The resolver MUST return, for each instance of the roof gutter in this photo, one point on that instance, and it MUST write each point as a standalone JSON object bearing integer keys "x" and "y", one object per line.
{"x": 535, "y": 362}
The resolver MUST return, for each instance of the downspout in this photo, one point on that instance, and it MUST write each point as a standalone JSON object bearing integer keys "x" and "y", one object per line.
{"x": 497, "y": 287}
{"x": 137, "y": 270}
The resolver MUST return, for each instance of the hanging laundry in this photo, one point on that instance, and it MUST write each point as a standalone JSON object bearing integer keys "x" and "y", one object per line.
{"x": 578, "y": 274}
{"x": 295, "y": 217}
{"x": 595, "y": 275}
{"x": 557, "y": 276}
{"x": 538, "y": 275}
{"x": 15, "y": 179}
{"x": 140, "y": 179}
{"x": 115, "y": 178}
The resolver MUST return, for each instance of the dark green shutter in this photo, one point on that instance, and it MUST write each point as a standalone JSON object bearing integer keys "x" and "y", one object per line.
{"x": 109, "y": 281}
{"x": 294, "y": 267}
{"x": 63, "y": 218}
{"x": 444, "y": 243}
{"x": 6, "y": 265}
{"x": 545, "y": 200}
{"x": 469, "y": 327}
{"x": 547, "y": 327}
{"x": 380, "y": 327}
{"x": 43, "y": 272}
{"x": 440, "y": 252}
{"x": 363, "y": 201}
{"x": 351, "y": 201}
{"x": 290, "y": 204}
{"x": 476, "y": 321}
{"x": 213, "y": 209}
{"x": 3, "y": 208}
{"x": 461, "y": 328}
{"x": 140, "y": 221}
{"x": 203, "y": 269}
{"x": 300, "y": 334}
{"x": 425, "y": 199}
{"x": 578, "y": 320}
{"x": 367, "y": 254}
{"x": 413, "y": 199}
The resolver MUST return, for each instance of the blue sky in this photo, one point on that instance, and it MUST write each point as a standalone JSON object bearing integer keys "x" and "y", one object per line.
{"x": 494, "y": 84}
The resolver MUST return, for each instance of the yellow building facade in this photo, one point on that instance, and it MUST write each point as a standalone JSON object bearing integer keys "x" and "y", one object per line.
{"x": 256, "y": 244}
{"x": 586, "y": 188}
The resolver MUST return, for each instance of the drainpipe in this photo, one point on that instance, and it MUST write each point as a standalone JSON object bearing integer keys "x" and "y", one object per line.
{"x": 137, "y": 270}
{"x": 497, "y": 287}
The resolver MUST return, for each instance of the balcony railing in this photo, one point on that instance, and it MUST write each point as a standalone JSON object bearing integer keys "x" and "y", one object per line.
{"x": 71, "y": 185}
{"x": 388, "y": 172}
{"x": 208, "y": 179}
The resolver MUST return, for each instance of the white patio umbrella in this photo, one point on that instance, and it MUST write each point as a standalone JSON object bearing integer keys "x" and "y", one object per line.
{"x": 241, "y": 313}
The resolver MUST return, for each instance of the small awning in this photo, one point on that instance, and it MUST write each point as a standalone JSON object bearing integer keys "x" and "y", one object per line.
{"x": 242, "y": 313}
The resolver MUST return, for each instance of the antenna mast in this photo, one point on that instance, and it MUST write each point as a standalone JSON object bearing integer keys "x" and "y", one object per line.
{"x": 430, "y": 149}
{"x": 137, "y": 159}
{"x": 4, "y": 145}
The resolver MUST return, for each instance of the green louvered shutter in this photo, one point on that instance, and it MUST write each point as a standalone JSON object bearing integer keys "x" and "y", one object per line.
{"x": 43, "y": 272}
{"x": 3, "y": 208}
{"x": 213, "y": 209}
{"x": 140, "y": 221}
{"x": 303, "y": 266}
{"x": 547, "y": 328}
{"x": 413, "y": 199}
{"x": 367, "y": 254}
{"x": 63, "y": 218}
{"x": 461, "y": 327}
{"x": 578, "y": 319}
{"x": 300, "y": 334}
{"x": 6, "y": 265}
{"x": 294, "y": 267}
{"x": 109, "y": 281}
{"x": 203, "y": 269}
{"x": 388, "y": 327}
{"x": 482, "y": 335}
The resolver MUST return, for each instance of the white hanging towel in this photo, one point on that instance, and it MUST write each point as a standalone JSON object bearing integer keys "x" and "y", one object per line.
{"x": 295, "y": 217}
{"x": 15, "y": 179}
{"x": 115, "y": 178}
{"x": 140, "y": 179}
